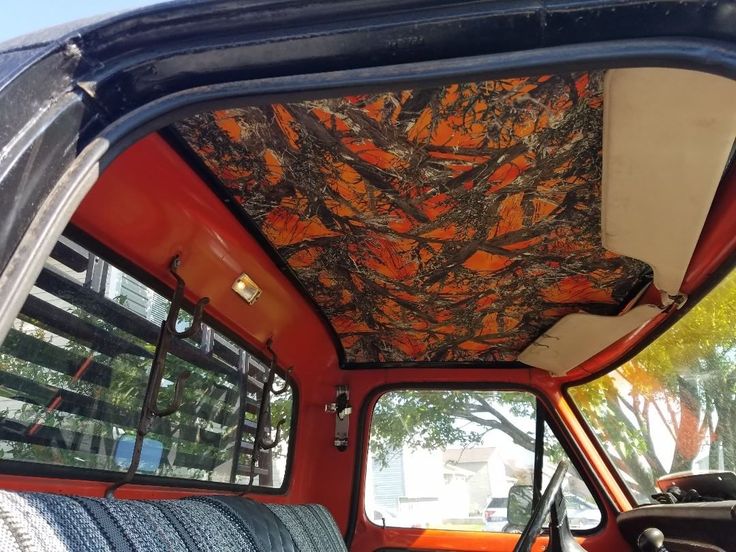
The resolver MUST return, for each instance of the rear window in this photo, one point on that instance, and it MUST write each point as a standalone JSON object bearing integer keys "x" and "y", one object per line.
{"x": 74, "y": 370}
{"x": 671, "y": 408}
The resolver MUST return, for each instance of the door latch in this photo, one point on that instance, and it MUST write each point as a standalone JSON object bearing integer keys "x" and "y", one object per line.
{"x": 342, "y": 410}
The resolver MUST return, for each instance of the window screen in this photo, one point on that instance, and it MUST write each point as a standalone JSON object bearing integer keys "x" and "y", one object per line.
{"x": 73, "y": 374}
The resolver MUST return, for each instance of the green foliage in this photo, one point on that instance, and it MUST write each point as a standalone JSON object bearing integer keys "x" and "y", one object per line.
{"x": 686, "y": 381}
{"x": 438, "y": 419}
{"x": 202, "y": 432}
{"x": 553, "y": 451}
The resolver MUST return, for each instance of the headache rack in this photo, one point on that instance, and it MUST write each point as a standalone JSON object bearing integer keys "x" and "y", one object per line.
{"x": 73, "y": 372}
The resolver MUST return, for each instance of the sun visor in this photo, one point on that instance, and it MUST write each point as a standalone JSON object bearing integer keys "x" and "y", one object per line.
{"x": 577, "y": 337}
{"x": 667, "y": 136}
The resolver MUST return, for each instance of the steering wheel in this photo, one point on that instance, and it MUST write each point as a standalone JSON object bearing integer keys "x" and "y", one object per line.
{"x": 543, "y": 508}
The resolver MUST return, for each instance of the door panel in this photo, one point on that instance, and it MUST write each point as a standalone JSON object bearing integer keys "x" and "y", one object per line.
{"x": 374, "y": 539}
{"x": 441, "y": 461}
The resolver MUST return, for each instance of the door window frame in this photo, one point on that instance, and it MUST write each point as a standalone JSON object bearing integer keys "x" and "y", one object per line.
{"x": 543, "y": 406}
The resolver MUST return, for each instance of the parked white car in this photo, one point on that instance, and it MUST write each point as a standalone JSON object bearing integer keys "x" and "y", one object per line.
{"x": 495, "y": 514}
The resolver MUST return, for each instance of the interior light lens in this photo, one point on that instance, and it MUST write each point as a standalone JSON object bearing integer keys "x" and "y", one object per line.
{"x": 247, "y": 288}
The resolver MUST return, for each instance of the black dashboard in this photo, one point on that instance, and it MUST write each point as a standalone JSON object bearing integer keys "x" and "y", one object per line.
{"x": 691, "y": 527}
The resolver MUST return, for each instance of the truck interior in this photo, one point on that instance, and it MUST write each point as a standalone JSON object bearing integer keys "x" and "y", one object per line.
{"x": 256, "y": 303}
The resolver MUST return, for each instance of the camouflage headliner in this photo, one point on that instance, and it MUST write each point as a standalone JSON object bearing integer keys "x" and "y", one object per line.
{"x": 443, "y": 224}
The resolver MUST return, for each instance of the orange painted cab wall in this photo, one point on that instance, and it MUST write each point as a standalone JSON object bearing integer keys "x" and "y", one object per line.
{"x": 149, "y": 206}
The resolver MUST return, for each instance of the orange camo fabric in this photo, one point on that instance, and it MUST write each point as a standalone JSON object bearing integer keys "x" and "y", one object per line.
{"x": 445, "y": 224}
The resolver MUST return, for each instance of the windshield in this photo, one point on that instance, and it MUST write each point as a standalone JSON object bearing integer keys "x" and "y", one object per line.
{"x": 672, "y": 407}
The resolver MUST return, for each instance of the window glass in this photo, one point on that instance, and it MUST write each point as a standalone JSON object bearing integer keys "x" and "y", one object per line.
{"x": 671, "y": 408}
{"x": 74, "y": 369}
{"x": 446, "y": 459}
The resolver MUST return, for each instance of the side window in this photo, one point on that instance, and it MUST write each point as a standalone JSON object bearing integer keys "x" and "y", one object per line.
{"x": 73, "y": 375}
{"x": 446, "y": 459}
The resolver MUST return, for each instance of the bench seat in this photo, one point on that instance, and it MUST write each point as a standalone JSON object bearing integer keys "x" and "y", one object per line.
{"x": 49, "y": 522}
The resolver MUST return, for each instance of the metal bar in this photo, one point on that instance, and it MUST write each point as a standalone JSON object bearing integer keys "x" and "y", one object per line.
{"x": 538, "y": 454}
{"x": 243, "y": 360}
{"x": 47, "y": 436}
{"x": 39, "y": 393}
{"x": 261, "y": 442}
{"x": 37, "y": 351}
{"x": 255, "y": 383}
{"x": 245, "y": 469}
{"x": 65, "y": 324}
{"x": 258, "y": 371}
{"x": 68, "y": 401}
{"x": 96, "y": 272}
{"x": 132, "y": 323}
{"x": 265, "y": 460}
{"x": 224, "y": 352}
{"x": 96, "y": 409}
{"x": 103, "y": 279}
{"x": 251, "y": 406}
{"x": 69, "y": 257}
{"x": 71, "y": 292}
{"x": 206, "y": 339}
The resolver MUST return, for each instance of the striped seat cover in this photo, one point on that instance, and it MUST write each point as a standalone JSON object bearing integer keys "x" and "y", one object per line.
{"x": 42, "y": 522}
